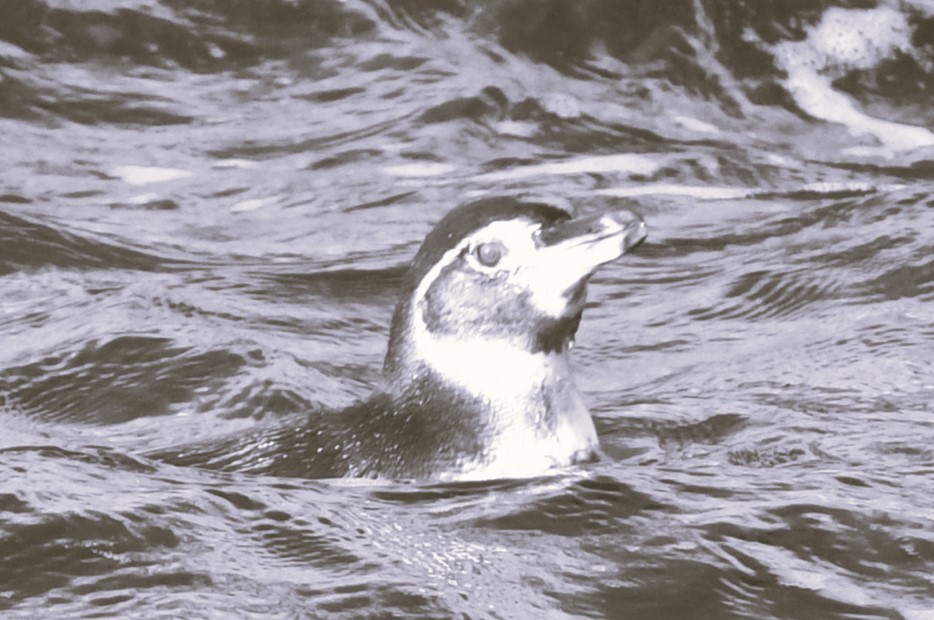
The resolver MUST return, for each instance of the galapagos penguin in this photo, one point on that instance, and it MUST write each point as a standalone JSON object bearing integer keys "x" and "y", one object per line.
{"x": 477, "y": 378}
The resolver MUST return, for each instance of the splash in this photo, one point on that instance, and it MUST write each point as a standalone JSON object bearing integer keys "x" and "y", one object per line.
{"x": 846, "y": 40}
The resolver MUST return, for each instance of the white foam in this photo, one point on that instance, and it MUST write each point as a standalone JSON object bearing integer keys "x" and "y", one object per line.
{"x": 846, "y": 40}
{"x": 813, "y": 93}
{"x": 859, "y": 39}
{"x": 562, "y": 105}
{"x": 142, "y": 175}
{"x": 922, "y": 6}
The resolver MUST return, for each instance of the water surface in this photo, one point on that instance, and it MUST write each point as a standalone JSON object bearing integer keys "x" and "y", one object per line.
{"x": 206, "y": 209}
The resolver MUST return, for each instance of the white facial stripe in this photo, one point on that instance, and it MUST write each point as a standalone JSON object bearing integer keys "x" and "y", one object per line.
{"x": 516, "y": 235}
{"x": 479, "y": 365}
{"x": 422, "y": 289}
{"x": 545, "y": 272}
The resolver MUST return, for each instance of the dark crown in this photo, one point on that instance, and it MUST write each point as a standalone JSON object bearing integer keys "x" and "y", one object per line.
{"x": 471, "y": 217}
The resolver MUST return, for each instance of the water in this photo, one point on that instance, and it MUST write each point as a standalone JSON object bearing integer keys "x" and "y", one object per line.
{"x": 207, "y": 208}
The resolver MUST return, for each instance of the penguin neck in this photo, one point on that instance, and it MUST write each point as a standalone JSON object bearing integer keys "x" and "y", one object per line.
{"x": 492, "y": 369}
{"x": 532, "y": 416}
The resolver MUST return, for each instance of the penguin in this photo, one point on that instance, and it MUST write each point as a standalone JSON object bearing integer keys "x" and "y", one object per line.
{"x": 478, "y": 383}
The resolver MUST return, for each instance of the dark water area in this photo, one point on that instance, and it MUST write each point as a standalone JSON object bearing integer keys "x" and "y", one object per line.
{"x": 206, "y": 210}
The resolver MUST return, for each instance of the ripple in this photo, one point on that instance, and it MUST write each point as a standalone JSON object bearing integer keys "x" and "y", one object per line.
{"x": 915, "y": 280}
{"x": 116, "y": 380}
{"x": 62, "y": 543}
{"x": 766, "y": 295}
{"x": 587, "y": 506}
{"x": 27, "y": 245}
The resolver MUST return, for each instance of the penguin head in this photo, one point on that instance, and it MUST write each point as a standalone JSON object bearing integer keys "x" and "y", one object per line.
{"x": 503, "y": 272}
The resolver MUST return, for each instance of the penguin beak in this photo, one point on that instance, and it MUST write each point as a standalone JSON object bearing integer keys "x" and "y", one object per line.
{"x": 572, "y": 250}
{"x": 607, "y": 235}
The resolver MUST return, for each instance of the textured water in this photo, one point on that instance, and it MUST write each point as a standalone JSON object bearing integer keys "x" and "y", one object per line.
{"x": 205, "y": 211}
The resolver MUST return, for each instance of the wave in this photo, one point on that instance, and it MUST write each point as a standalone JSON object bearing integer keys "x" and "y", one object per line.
{"x": 118, "y": 380}
{"x": 763, "y": 294}
{"x": 26, "y": 244}
{"x": 201, "y": 36}
{"x": 737, "y": 54}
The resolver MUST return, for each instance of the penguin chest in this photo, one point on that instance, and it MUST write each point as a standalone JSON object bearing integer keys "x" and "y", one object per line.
{"x": 534, "y": 418}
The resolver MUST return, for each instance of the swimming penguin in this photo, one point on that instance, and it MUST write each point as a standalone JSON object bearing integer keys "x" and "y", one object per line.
{"x": 478, "y": 382}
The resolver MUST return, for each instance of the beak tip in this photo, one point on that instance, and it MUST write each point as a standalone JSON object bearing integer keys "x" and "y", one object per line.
{"x": 634, "y": 227}
{"x": 634, "y": 239}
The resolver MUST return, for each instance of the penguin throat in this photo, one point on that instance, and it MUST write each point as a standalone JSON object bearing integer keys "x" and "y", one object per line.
{"x": 555, "y": 335}
{"x": 497, "y": 371}
{"x": 522, "y": 329}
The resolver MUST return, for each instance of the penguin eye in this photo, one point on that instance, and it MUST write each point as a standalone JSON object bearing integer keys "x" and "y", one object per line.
{"x": 489, "y": 254}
